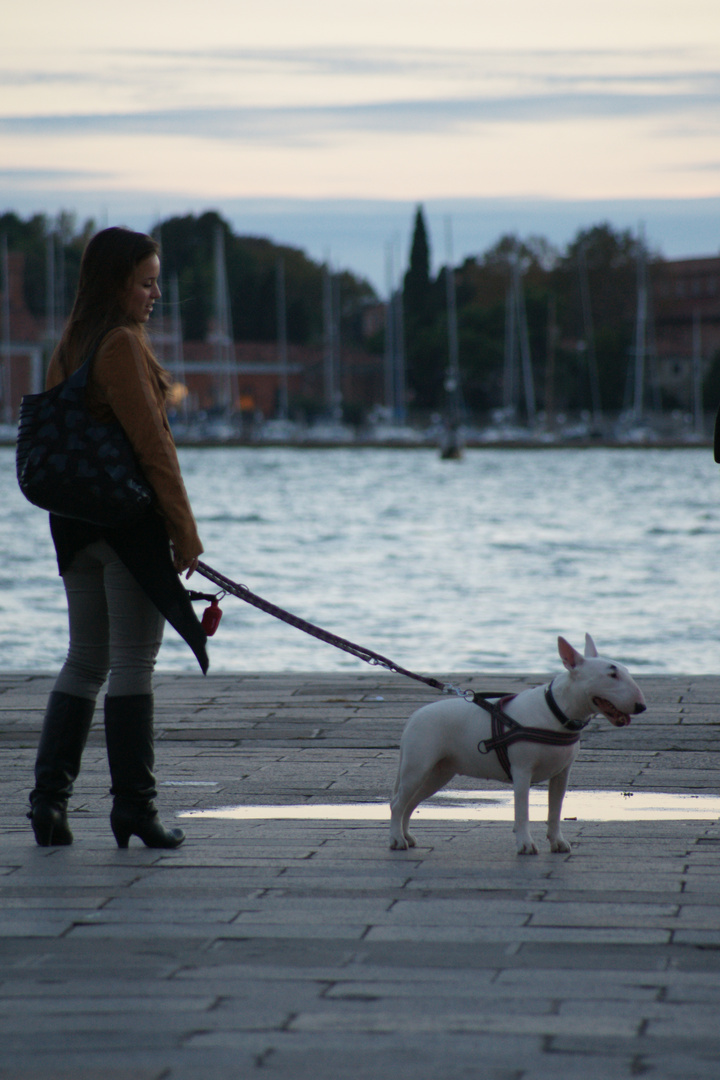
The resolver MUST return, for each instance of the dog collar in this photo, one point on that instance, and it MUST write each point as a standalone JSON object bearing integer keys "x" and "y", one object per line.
{"x": 567, "y": 723}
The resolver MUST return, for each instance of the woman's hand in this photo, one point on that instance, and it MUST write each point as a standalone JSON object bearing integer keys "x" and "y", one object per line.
{"x": 182, "y": 565}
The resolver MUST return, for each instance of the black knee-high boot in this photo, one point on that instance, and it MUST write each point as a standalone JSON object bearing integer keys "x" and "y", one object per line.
{"x": 131, "y": 754}
{"x": 62, "y": 741}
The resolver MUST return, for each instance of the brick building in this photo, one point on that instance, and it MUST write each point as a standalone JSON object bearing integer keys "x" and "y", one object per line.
{"x": 244, "y": 376}
{"x": 22, "y": 341}
{"x": 247, "y": 376}
{"x": 686, "y": 315}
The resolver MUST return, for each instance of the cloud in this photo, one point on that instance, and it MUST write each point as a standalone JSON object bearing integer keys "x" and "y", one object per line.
{"x": 25, "y": 79}
{"x": 457, "y": 62}
{"x": 369, "y": 121}
{"x": 362, "y": 85}
{"x": 702, "y": 166}
{"x": 12, "y": 177}
{"x": 316, "y": 123}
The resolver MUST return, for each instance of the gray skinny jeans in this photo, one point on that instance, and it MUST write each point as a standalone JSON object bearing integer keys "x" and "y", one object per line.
{"x": 114, "y": 627}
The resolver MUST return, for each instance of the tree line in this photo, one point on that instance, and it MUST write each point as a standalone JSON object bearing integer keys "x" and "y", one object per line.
{"x": 578, "y": 305}
{"x": 562, "y": 325}
{"x": 188, "y": 248}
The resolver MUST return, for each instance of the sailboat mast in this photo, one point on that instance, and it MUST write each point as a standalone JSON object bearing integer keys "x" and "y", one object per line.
{"x": 551, "y": 343}
{"x": 50, "y": 291}
{"x": 589, "y": 333}
{"x": 640, "y": 328}
{"x": 283, "y": 403}
{"x": 697, "y": 374}
{"x": 399, "y": 356}
{"x": 224, "y": 353}
{"x": 510, "y": 349}
{"x": 331, "y": 366}
{"x": 178, "y": 354}
{"x": 6, "y": 338}
{"x": 389, "y": 366}
{"x": 524, "y": 341}
{"x": 452, "y": 379}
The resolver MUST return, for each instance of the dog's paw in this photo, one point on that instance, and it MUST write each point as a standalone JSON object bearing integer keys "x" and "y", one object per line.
{"x": 402, "y": 843}
{"x": 560, "y": 846}
{"x": 526, "y": 847}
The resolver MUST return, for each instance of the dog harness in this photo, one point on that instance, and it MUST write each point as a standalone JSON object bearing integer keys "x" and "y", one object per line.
{"x": 506, "y": 731}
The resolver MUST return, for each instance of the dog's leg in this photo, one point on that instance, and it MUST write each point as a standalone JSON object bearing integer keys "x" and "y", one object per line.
{"x": 400, "y": 838}
{"x": 404, "y": 800}
{"x": 521, "y": 785}
{"x": 407, "y": 774}
{"x": 408, "y": 797}
{"x": 556, "y": 793}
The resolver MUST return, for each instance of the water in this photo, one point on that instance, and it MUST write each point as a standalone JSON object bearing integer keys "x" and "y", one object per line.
{"x": 443, "y": 566}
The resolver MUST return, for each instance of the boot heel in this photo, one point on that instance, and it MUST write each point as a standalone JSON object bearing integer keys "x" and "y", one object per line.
{"x": 121, "y": 831}
{"x": 144, "y": 823}
{"x": 50, "y": 826}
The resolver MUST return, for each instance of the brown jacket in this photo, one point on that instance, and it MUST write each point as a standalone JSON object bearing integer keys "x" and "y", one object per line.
{"x": 122, "y": 386}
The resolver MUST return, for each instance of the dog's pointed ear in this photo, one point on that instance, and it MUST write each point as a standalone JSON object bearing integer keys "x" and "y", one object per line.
{"x": 590, "y": 649}
{"x": 570, "y": 657}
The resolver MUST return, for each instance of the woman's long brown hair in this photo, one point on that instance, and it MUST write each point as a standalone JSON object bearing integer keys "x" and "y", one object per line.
{"x": 107, "y": 266}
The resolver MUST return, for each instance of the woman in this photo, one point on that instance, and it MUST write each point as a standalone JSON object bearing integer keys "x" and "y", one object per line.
{"x": 121, "y": 583}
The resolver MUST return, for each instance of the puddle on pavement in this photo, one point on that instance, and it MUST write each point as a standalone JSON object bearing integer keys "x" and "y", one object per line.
{"x": 491, "y": 806}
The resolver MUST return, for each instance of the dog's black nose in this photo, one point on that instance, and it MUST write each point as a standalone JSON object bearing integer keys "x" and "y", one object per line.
{"x": 639, "y": 708}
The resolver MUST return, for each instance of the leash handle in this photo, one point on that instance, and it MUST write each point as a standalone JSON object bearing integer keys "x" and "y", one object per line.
{"x": 359, "y": 651}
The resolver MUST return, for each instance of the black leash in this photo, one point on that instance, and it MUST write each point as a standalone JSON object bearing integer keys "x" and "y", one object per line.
{"x": 359, "y": 651}
{"x": 505, "y": 730}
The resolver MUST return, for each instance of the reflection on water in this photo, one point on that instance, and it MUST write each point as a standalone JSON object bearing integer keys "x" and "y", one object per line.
{"x": 495, "y": 806}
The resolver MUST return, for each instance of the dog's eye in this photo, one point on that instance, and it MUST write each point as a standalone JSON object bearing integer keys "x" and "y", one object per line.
{"x": 613, "y": 672}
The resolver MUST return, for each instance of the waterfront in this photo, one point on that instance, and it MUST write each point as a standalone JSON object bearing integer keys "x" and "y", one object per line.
{"x": 443, "y": 566}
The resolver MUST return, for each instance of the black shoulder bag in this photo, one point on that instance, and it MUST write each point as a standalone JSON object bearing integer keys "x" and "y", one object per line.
{"x": 72, "y": 464}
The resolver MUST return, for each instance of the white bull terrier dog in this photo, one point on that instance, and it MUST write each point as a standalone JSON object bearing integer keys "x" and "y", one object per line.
{"x": 523, "y": 740}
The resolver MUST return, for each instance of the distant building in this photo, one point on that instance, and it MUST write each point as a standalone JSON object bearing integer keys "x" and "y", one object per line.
{"x": 22, "y": 340}
{"x": 686, "y": 314}
{"x": 249, "y": 376}
{"x": 244, "y": 377}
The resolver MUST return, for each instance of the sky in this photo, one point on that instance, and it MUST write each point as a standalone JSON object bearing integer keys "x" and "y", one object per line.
{"x": 323, "y": 125}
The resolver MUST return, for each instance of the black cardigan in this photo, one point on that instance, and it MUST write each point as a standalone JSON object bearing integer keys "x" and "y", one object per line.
{"x": 144, "y": 548}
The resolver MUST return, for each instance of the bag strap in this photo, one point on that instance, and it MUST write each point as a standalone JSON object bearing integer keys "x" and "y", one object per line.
{"x": 79, "y": 377}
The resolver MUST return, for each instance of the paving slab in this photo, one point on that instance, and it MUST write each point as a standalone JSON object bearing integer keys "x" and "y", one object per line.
{"x": 304, "y": 948}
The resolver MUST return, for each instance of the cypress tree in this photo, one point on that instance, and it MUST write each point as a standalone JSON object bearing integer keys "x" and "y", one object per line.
{"x": 424, "y": 359}
{"x": 417, "y": 279}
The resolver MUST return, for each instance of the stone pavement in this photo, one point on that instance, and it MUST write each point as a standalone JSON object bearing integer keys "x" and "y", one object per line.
{"x": 304, "y": 948}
